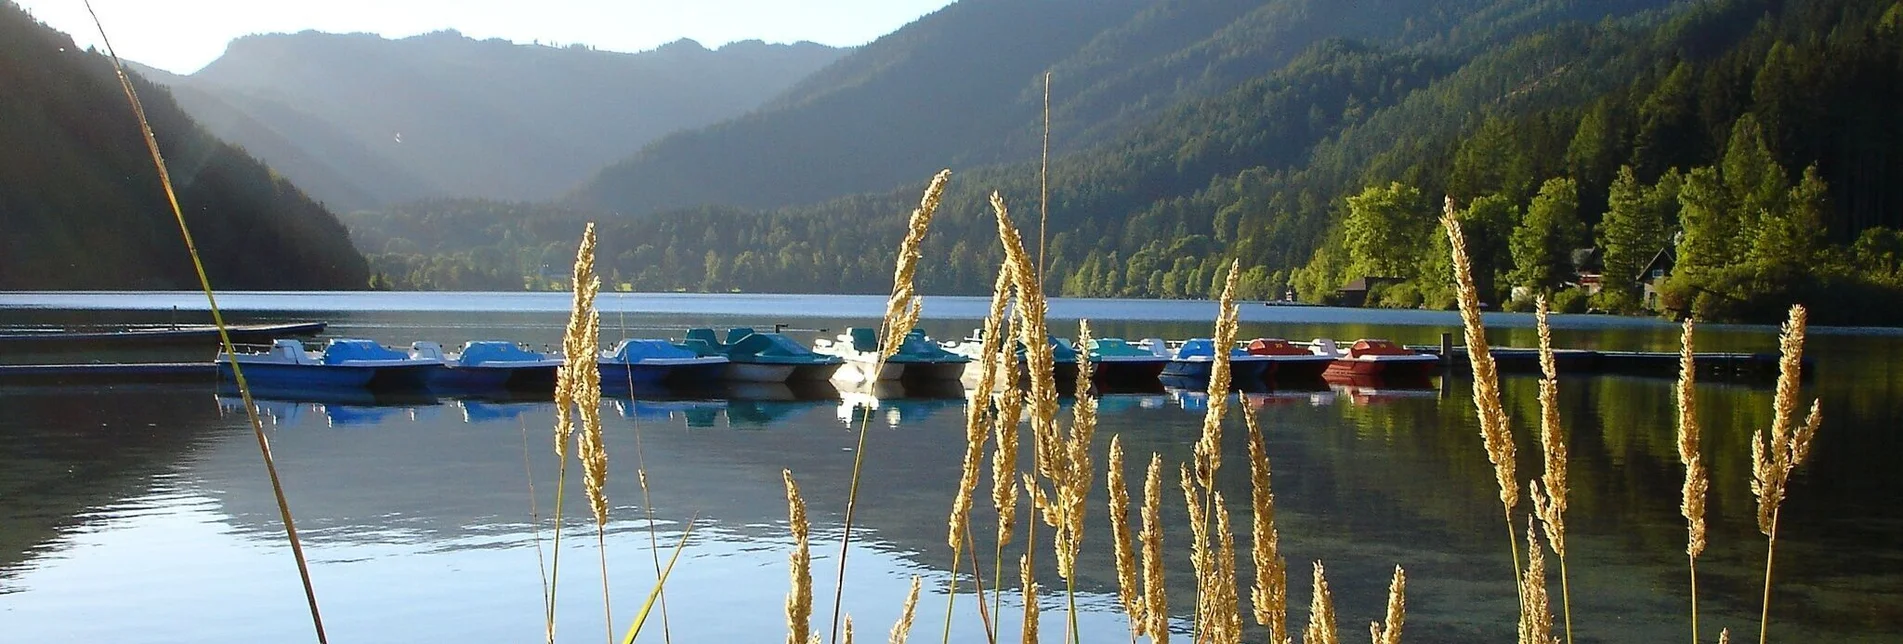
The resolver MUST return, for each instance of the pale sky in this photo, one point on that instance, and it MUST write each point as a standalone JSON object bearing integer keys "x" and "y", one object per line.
{"x": 181, "y": 36}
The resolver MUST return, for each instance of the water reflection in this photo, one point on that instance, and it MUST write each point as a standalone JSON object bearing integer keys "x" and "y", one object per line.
{"x": 421, "y": 517}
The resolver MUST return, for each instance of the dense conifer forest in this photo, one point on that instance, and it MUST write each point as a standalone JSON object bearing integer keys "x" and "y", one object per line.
{"x": 81, "y": 206}
{"x": 1752, "y": 141}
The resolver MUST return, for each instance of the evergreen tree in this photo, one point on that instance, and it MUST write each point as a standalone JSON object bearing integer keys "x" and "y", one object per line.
{"x": 1542, "y": 245}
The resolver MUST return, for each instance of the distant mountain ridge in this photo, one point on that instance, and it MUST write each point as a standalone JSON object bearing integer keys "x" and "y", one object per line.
{"x": 81, "y": 205}
{"x": 362, "y": 121}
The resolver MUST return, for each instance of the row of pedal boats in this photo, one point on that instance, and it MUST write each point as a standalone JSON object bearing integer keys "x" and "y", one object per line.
{"x": 746, "y": 355}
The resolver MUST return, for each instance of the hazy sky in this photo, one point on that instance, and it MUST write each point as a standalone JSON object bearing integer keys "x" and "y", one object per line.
{"x": 183, "y": 35}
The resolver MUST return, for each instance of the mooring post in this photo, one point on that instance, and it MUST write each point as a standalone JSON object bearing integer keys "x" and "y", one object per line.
{"x": 1446, "y": 348}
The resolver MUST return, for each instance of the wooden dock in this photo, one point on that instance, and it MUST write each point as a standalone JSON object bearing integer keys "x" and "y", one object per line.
{"x": 1740, "y": 367}
{"x": 108, "y": 373}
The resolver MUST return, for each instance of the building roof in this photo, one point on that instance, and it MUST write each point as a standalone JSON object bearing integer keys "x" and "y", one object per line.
{"x": 1664, "y": 260}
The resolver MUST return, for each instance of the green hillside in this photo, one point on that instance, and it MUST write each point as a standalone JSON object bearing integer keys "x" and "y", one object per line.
{"x": 1525, "y": 112}
{"x": 81, "y": 206}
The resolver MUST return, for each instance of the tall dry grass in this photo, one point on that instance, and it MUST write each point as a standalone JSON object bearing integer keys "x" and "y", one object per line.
{"x": 228, "y": 349}
{"x": 1773, "y": 458}
{"x": 1697, "y": 481}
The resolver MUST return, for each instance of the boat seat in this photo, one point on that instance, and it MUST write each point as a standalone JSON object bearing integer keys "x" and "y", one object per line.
{"x": 486, "y": 351}
{"x": 345, "y": 349}
{"x": 736, "y": 334}
{"x": 703, "y": 336}
{"x": 426, "y": 350}
{"x": 864, "y": 339}
{"x": 1376, "y": 347}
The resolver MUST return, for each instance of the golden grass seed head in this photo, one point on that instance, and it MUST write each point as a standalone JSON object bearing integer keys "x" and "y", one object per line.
{"x": 1321, "y": 612}
{"x": 799, "y": 602}
{"x": 1494, "y": 429}
{"x": 1155, "y": 598}
{"x": 1027, "y": 580}
{"x": 1697, "y": 480}
{"x": 902, "y": 630}
{"x": 1388, "y": 631}
{"x": 1226, "y": 608}
{"x": 1269, "y": 593}
{"x": 1536, "y": 614}
{"x": 902, "y": 308}
{"x": 1125, "y": 551}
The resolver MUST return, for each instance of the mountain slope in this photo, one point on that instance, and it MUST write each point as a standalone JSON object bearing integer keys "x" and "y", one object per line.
{"x": 364, "y": 121}
{"x": 81, "y": 206}
{"x": 963, "y": 87}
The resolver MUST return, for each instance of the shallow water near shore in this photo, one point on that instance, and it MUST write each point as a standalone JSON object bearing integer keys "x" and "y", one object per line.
{"x": 142, "y": 512}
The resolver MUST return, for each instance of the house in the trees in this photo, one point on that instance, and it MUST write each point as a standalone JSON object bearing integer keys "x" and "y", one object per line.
{"x": 1356, "y": 291}
{"x": 1654, "y": 274}
{"x": 1589, "y": 269}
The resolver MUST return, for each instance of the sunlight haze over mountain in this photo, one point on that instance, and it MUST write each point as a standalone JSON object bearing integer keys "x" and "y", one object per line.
{"x": 183, "y": 35}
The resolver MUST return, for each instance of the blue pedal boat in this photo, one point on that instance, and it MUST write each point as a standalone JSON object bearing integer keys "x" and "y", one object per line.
{"x": 638, "y": 363}
{"x": 754, "y": 356}
{"x": 343, "y": 364}
{"x": 1196, "y": 357}
{"x": 488, "y": 365}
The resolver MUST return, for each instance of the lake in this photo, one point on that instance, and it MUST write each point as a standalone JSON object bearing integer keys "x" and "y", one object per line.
{"x": 142, "y": 513}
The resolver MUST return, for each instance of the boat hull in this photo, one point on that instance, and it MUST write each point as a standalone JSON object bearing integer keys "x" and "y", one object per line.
{"x": 454, "y": 379}
{"x": 863, "y": 371}
{"x": 294, "y": 376}
{"x": 1349, "y": 368}
{"x": 1200, "y": 369}
{"x": 1125, "y": 371}
{"x": 758, "y": 372}
{"x": 626, "y": 376}
{"x": 932, "y": 371}
{"x": 814, "y": 372}
{"x": 1298, "y": 369}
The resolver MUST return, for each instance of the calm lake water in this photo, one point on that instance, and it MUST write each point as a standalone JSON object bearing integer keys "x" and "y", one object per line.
{"x": 142, "y": 513}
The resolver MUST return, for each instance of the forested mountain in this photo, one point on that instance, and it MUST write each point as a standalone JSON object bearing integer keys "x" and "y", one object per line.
{"x": 81, "y": 206}
{"x": 1764, "y": 131}
{"x": 363, "y": 121}
{"x": 963, "y": 87}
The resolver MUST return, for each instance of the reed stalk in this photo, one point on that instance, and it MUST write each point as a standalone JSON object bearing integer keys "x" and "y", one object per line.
{"x": 1536, "y": 616}
{"x": 583, "y": 346}
{"x": 218, "y": 321}
{"x": 1027, "y": 572}
{"x": 1202, "y": 563}
{"x": 1225, "y": 608}
{"x": 1125, "y": 552}
{"x": 1551, "y": 506}
{"x": 1269, "y": 594}
{"x": 1774, "y": 458}
{"x": 1044, "y": 181}
{"x": 1495, "y": 433}
{"x": 1004, "y": 464}
{"x": 1072, "y": 486}
{"x": 799, "y": 601}
{"x": 1692, "y": 506}
{"x": 901, "y": 314}
{"x": 1155, "y": 591}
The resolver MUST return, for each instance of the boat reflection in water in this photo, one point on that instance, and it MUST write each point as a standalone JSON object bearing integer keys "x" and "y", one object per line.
{"x": 1370, "y": 390}
{"x": 897, "y": 402}
{"x": 341, "y": 406}
{"x": 1255, "y": 397}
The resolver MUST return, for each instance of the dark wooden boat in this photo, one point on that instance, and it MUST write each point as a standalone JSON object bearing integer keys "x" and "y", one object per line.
{"x": 147, "y": 335}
